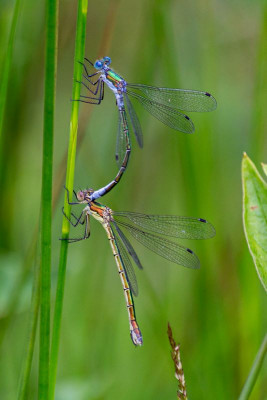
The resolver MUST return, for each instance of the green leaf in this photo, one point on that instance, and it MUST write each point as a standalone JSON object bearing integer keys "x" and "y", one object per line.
{"x": 255, "y": 216}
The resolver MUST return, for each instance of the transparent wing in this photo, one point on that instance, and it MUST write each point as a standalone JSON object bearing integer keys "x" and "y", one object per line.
{"x": 127, "y": 265}
{"x": 170, "y": 225}
{"x": 134, "y": 121}
{"x": 185, "y": 100}
{"x": 128, "y": 246}
{"x": 166, "y": 114}
{"x": 121, "y": 142}
{"x": 164, "y": 248}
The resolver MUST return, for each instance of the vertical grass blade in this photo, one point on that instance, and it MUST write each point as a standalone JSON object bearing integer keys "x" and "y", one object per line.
{"x": 46, "y": 200}
{"x": 79, "y": 55}
{"x": 34, "y": 312}
{"x": 6, "y": 71}
{"x": 250, "y": 382}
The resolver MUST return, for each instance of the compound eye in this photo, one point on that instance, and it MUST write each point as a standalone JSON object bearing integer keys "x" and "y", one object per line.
{"x": 98, "y": 64}
{"x": 107, "y": 60}
{"x": 80, "y": 195}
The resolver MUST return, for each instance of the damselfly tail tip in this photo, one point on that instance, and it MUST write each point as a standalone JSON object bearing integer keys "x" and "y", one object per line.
{"x": 138, "y": 342}
{"x": 136, "y": 337}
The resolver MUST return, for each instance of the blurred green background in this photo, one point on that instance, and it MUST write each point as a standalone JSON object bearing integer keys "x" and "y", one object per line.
{"x": 217, "y": 313}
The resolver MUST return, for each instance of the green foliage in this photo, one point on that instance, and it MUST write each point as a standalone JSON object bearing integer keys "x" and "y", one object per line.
{"x": 219, "y": 48}
{"x": 255, "y": 216}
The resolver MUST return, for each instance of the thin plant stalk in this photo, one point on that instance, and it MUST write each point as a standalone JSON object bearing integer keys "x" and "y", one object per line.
{"x": 179, "y": 373}
{"x": 34, "y": 312}
{"x": 79, "y": 55}
{"x": 6, "y": 71}
{"x": 46, "y": 198}
{"x": 255, "y": 369}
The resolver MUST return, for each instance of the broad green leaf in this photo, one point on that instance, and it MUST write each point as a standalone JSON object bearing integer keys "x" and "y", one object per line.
{"x": 255, "y": 216}
{"x": 264, "y": 167}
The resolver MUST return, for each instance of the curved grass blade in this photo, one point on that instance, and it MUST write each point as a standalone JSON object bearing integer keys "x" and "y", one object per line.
{"x": 165, "y": 248}
{"x": 185, "y": 100}
{"x": 171, "y": 225}
{"x": 127, "y": 265}
{"x": 128, "y": 246}
{"x": 254, "y": 372}
{"x": 166, "y": 114}
{"x": 134, "y": 121}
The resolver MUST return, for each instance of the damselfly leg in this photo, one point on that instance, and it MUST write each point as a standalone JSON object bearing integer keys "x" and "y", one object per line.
{"x": 99, "y": 90}
{"x": 68, "y": 197}
{"x": 83, "y": 219}
{"x": 78, "y": 220}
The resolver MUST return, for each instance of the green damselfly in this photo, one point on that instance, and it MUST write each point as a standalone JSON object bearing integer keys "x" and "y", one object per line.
{"x": 166, "y": 104}
{"x": 147, "y": 230}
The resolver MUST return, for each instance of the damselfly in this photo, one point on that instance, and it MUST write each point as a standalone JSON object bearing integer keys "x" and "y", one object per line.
{"x": 147, "y": 230}
{"x": 165, "y": 104}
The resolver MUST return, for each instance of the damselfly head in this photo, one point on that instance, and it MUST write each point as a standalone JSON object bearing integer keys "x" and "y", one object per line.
{"x": 106, "y": 60}
{"x": 81, "y": 195}
{"x": 84, "y": 195}
{"x": 98, "y": 64}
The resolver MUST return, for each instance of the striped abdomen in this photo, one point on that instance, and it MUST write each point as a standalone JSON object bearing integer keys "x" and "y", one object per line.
{"x": 135, "y": 332}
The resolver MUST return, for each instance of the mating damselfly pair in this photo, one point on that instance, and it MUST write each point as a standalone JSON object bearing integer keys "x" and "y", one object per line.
{"x": 167, "y": 105}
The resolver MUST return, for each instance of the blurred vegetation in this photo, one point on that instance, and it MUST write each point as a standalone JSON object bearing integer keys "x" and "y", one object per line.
{"x": 219, "y": 312}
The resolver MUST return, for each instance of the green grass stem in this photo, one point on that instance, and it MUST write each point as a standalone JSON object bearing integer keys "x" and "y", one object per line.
{"x": 34, "y": 312}
{"x": 46, "y": 200}
{"x": 6, "y": 71}
{"x": 255, "y": 369}
{"x": 79, "y": 55}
